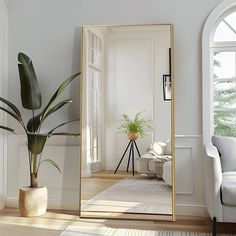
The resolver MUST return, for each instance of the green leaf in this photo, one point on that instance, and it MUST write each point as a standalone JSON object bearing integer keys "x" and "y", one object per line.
{"x": 64, "y": 134}
{"x": 35, "y": 122}
{"x": 36, "y": 142}
{"x": 12, "y": 114}
{"x": 55, "y": 108}
{"x": 7, "y": 128}
{"x": 51, "y": 162}
{"x": 62, "y": 124}
{"x": 59, "y": 91}
{"x": 30, "y": 92}
{"x": 12, "y": 106}
{"x": 137, "y": 125}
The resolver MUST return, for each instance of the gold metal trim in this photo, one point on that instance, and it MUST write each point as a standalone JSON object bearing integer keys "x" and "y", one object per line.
{"x": 126, "y": 216}
{"x": 94, "y": 26}
{"x": 173, "y": 123}
{"x": 81, "y": 117}
{"x": 136, "y": 216}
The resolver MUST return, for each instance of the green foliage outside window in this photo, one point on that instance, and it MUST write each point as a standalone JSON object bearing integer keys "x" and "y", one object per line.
{"x": 224, "y": 100}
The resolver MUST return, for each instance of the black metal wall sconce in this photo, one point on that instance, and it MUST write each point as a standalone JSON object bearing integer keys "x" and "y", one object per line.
{"x": 167, "y": 87}
{"x": 167, "y": 82}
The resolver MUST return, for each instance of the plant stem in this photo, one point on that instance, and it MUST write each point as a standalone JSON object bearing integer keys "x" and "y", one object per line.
{"x": 35, "y": 165}
{"x": 39, "y": 162}
{"x": 33, "y": 180}
{"x": 33, "y": 174}
{"x": 30, "y": 161}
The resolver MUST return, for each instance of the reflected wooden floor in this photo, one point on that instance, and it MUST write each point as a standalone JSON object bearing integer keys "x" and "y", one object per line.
{"x": 100, "y": 181}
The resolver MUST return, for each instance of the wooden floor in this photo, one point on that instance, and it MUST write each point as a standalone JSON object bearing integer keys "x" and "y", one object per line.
{"x": 53, "y": 223}
{"x": 100, "y": 181}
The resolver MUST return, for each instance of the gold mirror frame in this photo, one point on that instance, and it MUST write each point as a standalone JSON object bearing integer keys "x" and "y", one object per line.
{"x": 131, "y": 216}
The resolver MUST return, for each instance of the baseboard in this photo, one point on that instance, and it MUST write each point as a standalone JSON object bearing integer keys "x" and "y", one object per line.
{"x": 85, "y": 173}
{"x": 96, "y": 166}
{"x": 2, "y": 203}
{"x": 72, "y": 204}
{"x": 191, "y": 210}
{"x": 58, "y": 204}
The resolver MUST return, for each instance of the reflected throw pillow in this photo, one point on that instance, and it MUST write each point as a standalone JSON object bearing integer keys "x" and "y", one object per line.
{"x": 157, "y": 147}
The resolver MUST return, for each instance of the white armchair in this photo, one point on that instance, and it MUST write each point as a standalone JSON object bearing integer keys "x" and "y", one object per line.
{"x": 220, "y": 180}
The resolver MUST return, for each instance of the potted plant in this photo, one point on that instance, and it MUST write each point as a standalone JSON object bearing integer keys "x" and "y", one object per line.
{"x": 137, "y": 127}
{"x": 33, "y": 199}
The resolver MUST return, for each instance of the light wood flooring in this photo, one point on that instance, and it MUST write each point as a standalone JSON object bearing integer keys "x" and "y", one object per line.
{"x": 54, "y": 222}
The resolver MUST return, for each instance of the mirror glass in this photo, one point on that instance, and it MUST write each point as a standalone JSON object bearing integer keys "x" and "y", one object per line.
{"x": 127, "y": 122}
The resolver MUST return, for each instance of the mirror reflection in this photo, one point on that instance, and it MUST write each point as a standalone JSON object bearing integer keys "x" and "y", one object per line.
{"x": 126, "y": 121}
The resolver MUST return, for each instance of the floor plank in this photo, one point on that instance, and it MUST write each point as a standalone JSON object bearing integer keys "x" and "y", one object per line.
{"x": 13, "y": 230}
{"x": 54, "y": 222}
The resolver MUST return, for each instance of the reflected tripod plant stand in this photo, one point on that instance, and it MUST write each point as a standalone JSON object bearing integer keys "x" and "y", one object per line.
{"x": 135, "y": 128}
{"x": 130, "y": 146}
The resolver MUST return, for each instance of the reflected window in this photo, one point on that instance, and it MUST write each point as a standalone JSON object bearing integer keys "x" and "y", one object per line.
{"x": 223, "y": 51}
{"x": 94, "y": 95}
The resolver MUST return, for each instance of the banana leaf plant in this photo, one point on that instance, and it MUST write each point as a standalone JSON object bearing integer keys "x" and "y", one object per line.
{"x": 31, "y": 100}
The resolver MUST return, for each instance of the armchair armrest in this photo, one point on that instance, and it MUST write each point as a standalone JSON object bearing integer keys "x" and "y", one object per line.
{"x": 213, "y": 181}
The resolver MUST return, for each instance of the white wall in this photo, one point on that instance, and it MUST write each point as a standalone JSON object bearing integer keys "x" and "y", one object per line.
{"x": 3, "y": 88}
{"x": 48, "y": 30}
{"x": 135, "y": 60}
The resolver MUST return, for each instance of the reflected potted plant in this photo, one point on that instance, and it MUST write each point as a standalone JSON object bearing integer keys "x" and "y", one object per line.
{"x": 136, "y": 127}
{"x": 33, "y": 198}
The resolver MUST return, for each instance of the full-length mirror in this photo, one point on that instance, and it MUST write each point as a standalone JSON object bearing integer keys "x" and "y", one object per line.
{"x": 127, "y": 120}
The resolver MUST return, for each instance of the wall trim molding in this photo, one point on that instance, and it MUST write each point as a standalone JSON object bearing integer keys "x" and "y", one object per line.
{"x": 192, "y": 173}
{"x": 72, "y": 204}
{"x": 188, "y": 135}
{"x": 191, "y": 210}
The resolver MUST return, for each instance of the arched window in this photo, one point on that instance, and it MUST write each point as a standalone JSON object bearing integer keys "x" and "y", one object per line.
{"x": 223, "y": 74}
{"x": 219, "y": 72}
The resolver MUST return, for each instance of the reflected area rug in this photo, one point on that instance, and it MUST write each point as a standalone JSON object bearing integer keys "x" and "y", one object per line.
{"x": 133, "y": 195}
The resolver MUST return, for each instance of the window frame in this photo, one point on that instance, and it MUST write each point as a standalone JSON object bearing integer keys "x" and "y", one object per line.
{"x": 224, "y": 46}
{"x": 95, "y": 67}
{"x": 220, "y": 12}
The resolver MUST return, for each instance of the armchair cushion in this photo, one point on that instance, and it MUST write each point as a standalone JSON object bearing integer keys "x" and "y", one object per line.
{"x": 227, "y": 150}
{"x": 228, "y": 188}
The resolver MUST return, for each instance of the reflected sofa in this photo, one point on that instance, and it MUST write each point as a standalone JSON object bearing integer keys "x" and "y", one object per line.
{"x": 156, "y": 161}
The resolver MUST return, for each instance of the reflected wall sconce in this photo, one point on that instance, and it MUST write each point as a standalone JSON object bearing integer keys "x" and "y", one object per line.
{"x": 167, "y": 82}
{"x": 167, "y": 87}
